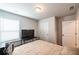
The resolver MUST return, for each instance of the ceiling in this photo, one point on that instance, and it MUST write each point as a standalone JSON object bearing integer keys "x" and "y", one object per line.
{"x": 48, "y": 9}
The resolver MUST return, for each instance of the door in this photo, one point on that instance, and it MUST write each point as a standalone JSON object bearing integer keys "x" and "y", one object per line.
{"x": 77, "y": 31}
{"x": 68, "y": 33}
{"x": 44, "y": 30}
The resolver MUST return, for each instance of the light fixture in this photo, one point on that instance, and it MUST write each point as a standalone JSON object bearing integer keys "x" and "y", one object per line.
{"x": 38, "y": 9}
{"x": 72, "y": 7}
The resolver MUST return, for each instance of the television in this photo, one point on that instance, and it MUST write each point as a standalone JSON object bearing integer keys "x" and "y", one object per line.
{"x": 27, "y": 34}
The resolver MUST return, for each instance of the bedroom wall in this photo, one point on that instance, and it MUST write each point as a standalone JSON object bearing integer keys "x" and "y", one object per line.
{"x": 70, "y": 17}
{"x": 52, "y": 30}
{"x": 59, "y": 30}
{"x": 25, "y": 22}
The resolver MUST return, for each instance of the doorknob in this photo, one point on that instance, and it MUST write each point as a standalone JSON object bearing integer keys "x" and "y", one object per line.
{"x": 75, "y": 33}
{"x": 62, "y": 34}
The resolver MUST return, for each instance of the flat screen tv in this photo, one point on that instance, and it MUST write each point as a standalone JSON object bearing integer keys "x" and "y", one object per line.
{"x": 27, "y": 34}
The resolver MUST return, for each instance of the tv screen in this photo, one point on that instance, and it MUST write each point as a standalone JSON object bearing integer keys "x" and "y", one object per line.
{"x": 27, "y": 34}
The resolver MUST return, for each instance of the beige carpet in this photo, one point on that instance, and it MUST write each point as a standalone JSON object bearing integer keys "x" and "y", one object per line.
{"x": 40, "y": 47}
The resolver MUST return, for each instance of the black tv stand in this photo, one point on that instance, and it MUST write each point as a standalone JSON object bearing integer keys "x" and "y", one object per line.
{"x": 30, "y": 40}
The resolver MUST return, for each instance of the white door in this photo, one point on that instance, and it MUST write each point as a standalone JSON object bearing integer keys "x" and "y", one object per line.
{"x": 68, "y": 33}
{"x": 44, "y": 30}
{"x": 77, "y": 31}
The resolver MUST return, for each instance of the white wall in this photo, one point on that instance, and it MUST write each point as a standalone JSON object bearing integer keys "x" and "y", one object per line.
{"x": 29, "y": 24}
{"x": 26, "y": 23}
{"x": 59, "y": 30}
{"x": 52, "y": 29}
{"x": 69, "y": 18}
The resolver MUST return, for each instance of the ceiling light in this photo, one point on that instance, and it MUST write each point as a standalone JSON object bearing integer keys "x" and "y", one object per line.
{"x": 38, "y": 9}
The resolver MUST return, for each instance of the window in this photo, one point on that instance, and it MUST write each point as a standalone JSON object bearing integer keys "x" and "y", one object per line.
{"x": 9, "y": 29}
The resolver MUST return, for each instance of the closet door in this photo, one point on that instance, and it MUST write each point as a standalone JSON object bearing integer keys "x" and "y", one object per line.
{"x": 44, "y": 30}
{"x": 69, "y": 33}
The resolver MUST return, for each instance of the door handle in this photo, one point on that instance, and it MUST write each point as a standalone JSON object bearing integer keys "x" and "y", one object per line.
{"x": 75, "y": 33}
{"x": 62, "y": 34}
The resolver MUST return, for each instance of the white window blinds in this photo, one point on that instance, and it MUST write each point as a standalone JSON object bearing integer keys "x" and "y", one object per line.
{"x": 9, "y": 29}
